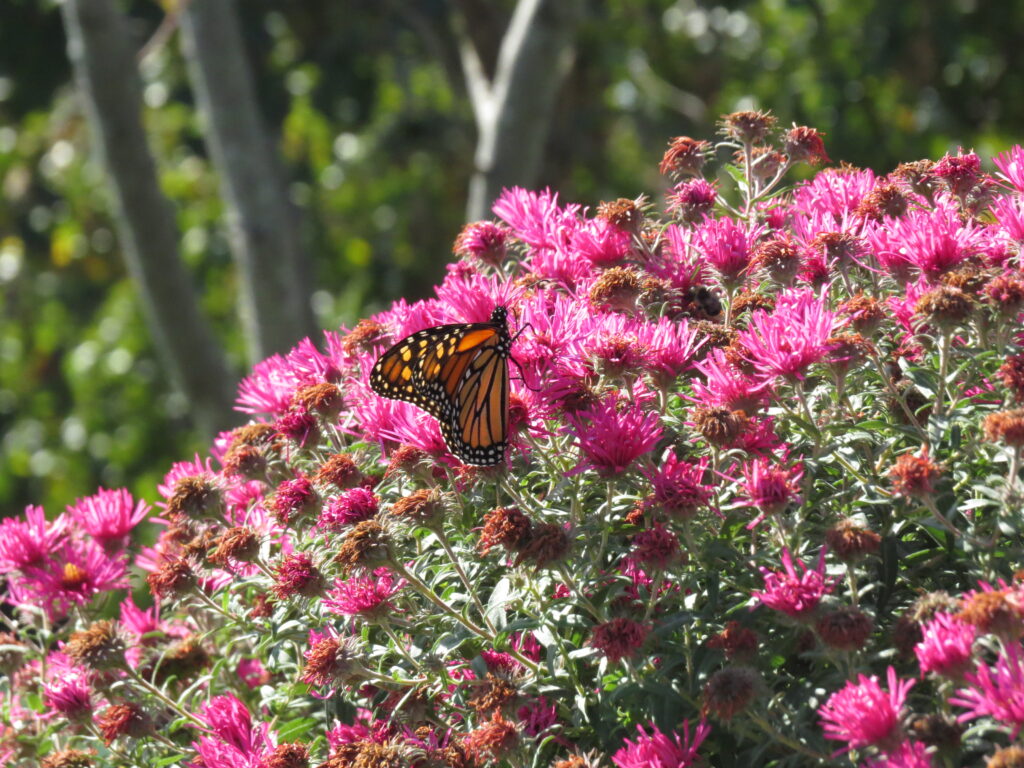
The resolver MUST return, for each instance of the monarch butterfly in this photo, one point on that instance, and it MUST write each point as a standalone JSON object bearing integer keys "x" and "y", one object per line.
{"x": 459, "y": 375}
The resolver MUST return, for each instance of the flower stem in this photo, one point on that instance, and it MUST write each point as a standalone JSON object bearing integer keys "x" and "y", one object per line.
{"x": 793, "y": 744}
{"x": 167, "y": 702}
{"x": 441, "y": 537}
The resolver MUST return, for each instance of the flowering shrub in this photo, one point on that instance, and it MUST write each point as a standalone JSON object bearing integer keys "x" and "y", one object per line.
{"x": 762, "y": 506}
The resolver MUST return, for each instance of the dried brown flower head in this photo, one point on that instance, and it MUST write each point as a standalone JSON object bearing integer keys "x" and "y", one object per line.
{"x": 851, "y": 542}
{"x": 506, "y": 527}
{"x": 492, "y": 740}
{"x": 804, "y": 145}
{"x": 1011, "y": 373}
{"x": 778, "y": 257}
{"x": 624, "y": 214}
{"x": 684, "y": 156}
{"x": 67, "y": 758}
{"x": 255, "y": 435}
{"x": 617, "y": 289}
{"x": 340, "y": 471}
{"x": 945, "y": 307}
{"x": 293, "y": 755}
{"x": 125, "y": 719}
{"x": 494, "y": 695}
{"x": 182, "y": 660}
{"x": 238, "y": 544}
{"x": 999, "y": 612}
{"x": 1005, "y": 427}
{"x": 865, "y": 313}
{"x": 738, "y": 642}
{"x": 423, "y": 507}
{"x": 363, "y": 337}
{"x": 919, "y": 176}
{"x": 173, "y": 576}
{"x": 729, "y": 691}
{"x": 245, "y": 460}
{"x": 937, "y": 730}
{"x": 1007, "y": 757}
{"x": 366, "y": 545}
{"x": 748, "y": 126}
{"x": 548, "y": 544}
{"x": 1005, "y": 293}
{"x": 719, "y": 426}
{"x": 195, "y": 496}
{"x": 914, "y": 476}
{"x": 324, "y": 399}
{"x": 97, "y": 647}
{"x": 845, "y": 629}
{"x": 886, "y": 199}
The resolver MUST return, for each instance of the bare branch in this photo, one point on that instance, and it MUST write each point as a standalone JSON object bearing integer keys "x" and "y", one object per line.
{"x": 104, "y": 65}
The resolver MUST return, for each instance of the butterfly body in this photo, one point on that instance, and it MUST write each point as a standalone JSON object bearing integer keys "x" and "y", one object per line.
{"x": 459, "y": 375}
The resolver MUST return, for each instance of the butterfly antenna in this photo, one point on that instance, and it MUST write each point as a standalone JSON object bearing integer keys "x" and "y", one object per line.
{"x": 522, "y": 376}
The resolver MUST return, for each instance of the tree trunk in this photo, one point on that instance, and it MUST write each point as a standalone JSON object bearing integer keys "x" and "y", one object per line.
{"x": 273, "y": 273}
{"x": 513, "y": 108}
{"x": 105, "y": 70}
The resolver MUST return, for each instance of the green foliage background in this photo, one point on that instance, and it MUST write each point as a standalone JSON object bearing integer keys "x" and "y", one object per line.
{"x": 378, "y": 136}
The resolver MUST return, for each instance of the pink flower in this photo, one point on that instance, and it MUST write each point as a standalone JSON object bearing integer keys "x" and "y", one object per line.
{"x": 678, "y": 485}
{"x": 693, "y": 199}
{"x": 771, "y": 487}
{"x": 600, "y": 242}
{"x": 364, "y": 595}
{"x": 726, "y": 246}
{"x": 76, "y": 571}
{"x": 946, "y": 646}
{"x": 862, "y": 714}
{"x": 109, "y": 516}
{"x": 253, "y": 673}
{"x": 232, "y": 741}
{"x": 996, "y": 692}
{"x": 619, "y": 638}
{"x": 483, "y": 240}
{"x": 792, "y": 594}
{"x": 934, "y": 241}
{"x": 613, "y": 434}
{"x": 535, "y": 217}
{"x": 659, "y": 750}
{"x": 1011, "y": 167}
{"x": 268, "y": 389}
{"x": 293, "y": 497}
{"x": 725, "y": 386}
{"x": 350, "y": 507}
{"x": 68, "y": 688}
{"x": 909, "y": 754}
{"x": 670, "y": 349}
{"x": 959, "y": 173}
{"x": 834, "y": 193}
{"x": 792, "y": 338}
{"x": 29, "y": 541}
{"x": 537, "y": 717}
{"x": 1009, "y": 213}
{"x": 679, "y": 260}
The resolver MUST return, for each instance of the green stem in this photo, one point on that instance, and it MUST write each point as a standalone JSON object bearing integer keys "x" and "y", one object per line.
{"x": 465, "y": 579}
{"x": 793, "y": 744}
{"x": 152, "y": 689}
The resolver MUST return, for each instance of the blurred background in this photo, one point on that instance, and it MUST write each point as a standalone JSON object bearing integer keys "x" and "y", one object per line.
{"x": 332, "y": 149}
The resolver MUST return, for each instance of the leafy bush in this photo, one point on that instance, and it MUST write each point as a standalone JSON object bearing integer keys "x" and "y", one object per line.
{"x": 762, "y": 502}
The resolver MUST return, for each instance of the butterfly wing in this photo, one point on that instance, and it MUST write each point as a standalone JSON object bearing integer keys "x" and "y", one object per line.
{"x": 459, "y": 375}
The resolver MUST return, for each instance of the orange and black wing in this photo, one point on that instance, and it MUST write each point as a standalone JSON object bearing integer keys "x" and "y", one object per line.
{"x": 459, "y": 375}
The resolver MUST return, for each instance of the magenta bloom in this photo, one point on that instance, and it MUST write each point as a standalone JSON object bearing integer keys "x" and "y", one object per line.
{"x": 909, "y": 754}
{"x": 109, "y": 516}
{"x": 725, "y": 386}
{"x": 535, "y": 217}
{"x": 679, "y": 487}
{"x": 1009, "y": 213}
{"x": 726, "y": 246}
{"x": 252, "y": 672}
{"x": 658, "y": 750}
{"x": 933, "y": 241}
{"x": 996, "y": 692}
{"x": 76, "y": 571}
{"x": 350, "y": 507}
{"x": 960, "y": 172}
{"x": 679, "y": 261}
{"x": 599, "y": 242}
{"x": 671, "y": 346}
{"x": 792, "y": 338}
{"x": 232, "y": 741}
{"x": 1011, "y": 167}
{"x": 834, "y": 193}
{"x": 293, "y": 497}
{"x": 693, "y": 199}
{"x": 68, "y": 689}
{"x": 946, "y": 647}
{"x": 612, "y": 434}
{"x": 862, "y": 714}
{"x": 537, "y": 717}
{"x": 366, "y": 596}
{"x": 771, "y": 487}
{"x": 483, "y": 240}
{"x": 655, "y": 547}
{"x": 792, "y": 594}
{"x": 29, "y": 541}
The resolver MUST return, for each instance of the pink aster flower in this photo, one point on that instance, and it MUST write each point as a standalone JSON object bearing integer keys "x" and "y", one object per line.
{"x": 655, "y": 547}
{"x": 996, "y": 691}
{"x": 792, "y": 338}
{"x": 600, "y": 242}
{"x": 670, "y": 349}
{"x": 538, "y": 717}
{"x": 1009, "y": 213}
{"x": 616, "y": 346}
{"x": 252, "y": 672}
{"x": 862, "y": 714}
{"x": 693, "y": 199}
{"x": 960, "y": 173}
{"x": 109, "y": 516}
{"x": 535, "y": 217}
{"x": 472, "y": 299}
{"x": 1011, "y": 167}
{"x": 613, "y": 434}
{"x": 834, "y": 193}
{"x": 659, "y": 750}
{"x": 367, "y": 596}
{"x": 482, "y": 240}
{"x": 268, "y": 389}
{"x": 679, "y": 486}
{"x": 946, "y": 647}
{"x": 29, "y": 541}
{"x": 679, "y": 260}
{"x": 727, "y": 247}
{"x": 231, "y": 741}
{"x": 68, "y": 688}
{"x": 76, "y": 572}
{"x": 293, "y": 497}
{"x": 931, "y": 241}
{"x": 619, "y": 638}
{"x": 725, "y": 386}
{"x": 770, "y": 487}
{"x": 909, "y": 754}
{"x": 350, "y": 507}
{"x": 793, "y": 594}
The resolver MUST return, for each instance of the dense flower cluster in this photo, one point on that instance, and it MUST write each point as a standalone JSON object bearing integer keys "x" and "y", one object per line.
{"x": 752, "y": 438}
